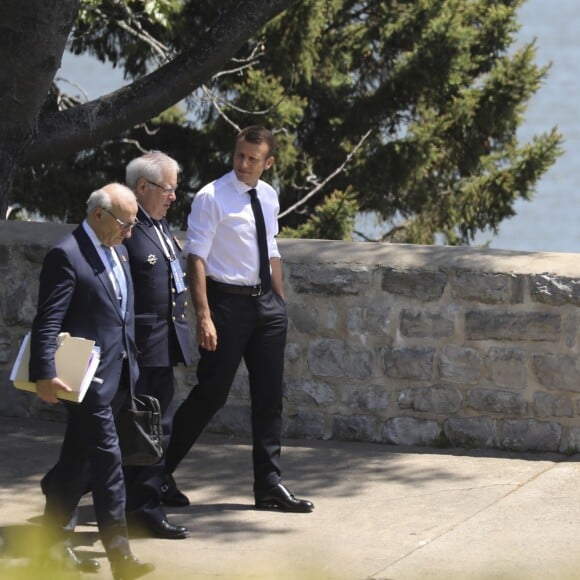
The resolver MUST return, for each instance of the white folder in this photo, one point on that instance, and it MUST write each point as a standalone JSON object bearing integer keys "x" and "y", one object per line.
{"x": 76, "y": 360}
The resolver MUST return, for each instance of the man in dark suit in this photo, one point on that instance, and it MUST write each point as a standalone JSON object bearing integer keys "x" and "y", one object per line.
{"x": 85, "y": 289}
{"x": 161, "y": 328}
{"x": 235, "y": 275}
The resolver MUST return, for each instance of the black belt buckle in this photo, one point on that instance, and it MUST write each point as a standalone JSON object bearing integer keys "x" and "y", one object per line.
{"x": 256, "y": 290}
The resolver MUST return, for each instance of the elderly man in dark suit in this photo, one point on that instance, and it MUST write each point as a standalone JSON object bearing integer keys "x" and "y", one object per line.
{"x": 161, "y": 329}
{"x": 85, "y": 290}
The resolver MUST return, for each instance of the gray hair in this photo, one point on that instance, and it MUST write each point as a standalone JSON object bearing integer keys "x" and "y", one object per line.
{"x": 99, "y": 198}
{"x": 102, "y": 198}
{"x": 149, "y": 166}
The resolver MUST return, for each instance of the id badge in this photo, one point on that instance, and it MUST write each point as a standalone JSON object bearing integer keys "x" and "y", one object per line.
{"x": 177, "y": 273}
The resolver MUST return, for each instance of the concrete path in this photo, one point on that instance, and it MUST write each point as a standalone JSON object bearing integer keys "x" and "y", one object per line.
{"x": 382, "y": 512}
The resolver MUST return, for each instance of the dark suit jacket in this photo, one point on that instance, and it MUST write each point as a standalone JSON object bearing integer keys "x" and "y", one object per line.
{"x": 161, "y": 327}
{"x": 76, "y": 296}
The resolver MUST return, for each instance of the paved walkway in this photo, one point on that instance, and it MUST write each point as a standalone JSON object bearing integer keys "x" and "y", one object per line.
{"x": 381, "y": 513}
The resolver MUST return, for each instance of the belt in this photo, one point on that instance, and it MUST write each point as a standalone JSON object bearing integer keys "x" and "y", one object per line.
{"x": 234, "y": 288}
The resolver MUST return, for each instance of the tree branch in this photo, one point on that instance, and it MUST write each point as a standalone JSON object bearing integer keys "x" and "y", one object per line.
{"x": 332, "y": 175}
{"x": 89, "y": 124}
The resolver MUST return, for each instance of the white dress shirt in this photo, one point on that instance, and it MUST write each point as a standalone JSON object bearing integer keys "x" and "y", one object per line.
{"x": 101, "y": 251}
{"x": 221, "y": 229}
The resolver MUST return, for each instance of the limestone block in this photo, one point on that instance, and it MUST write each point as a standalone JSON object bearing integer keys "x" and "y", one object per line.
{"x": 355, "y": 428}
{"x": 366, "y": 397}
{"x": 420, "y": 285}
{"x": 13, "y": 402}
{"x": 293, "y": 352}
{"x": 335, "y": 358}
{"x": 303, "y": 318}
{"x": 573, "y": 440}
{"x": 5, "y": 256}
{"x": 303, "y": 392}
{"x": 504, "y": 325}
{"x": 570, "y": 330}
{"x": 232, "y": 419}
{"x": 554, "y": 290}
{"x": 368, "y": 320}
{"x": 486, "y": 288}
{"x": 496, "y": 401}
{"x": 507, "y": 367}
{"x": 460, "y": 364}
{"x": 304, "y": 423}
{"x": 557, "y": 371}
{"x": 409, "y": 363}
{"x": 34, "y": 252}
{"x": 421, "y": 324}
{"x": 471, "y": 431}
{"x": 437, "y": 399}
{"x": 547, "y": 405}
{"x": 411, "y": 431}
{"x": 531, "y": 435}
{"x": 318, "y": 279}
{"x": 19, "y": 302}
{"x": 5, "y": 348}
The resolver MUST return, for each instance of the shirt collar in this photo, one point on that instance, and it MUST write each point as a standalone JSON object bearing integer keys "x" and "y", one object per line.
{"x": 240, "y": 186}
{"x": 92, "y": 235}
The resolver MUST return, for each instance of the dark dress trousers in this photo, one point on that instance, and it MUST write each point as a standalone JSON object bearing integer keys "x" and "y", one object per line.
{"x": 253, "y": 329}
{"x": 163, "y": 340}
{"x": 76, "y": 296}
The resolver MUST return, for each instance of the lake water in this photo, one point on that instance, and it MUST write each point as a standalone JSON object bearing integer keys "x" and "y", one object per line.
{"x": 550, "y": 222}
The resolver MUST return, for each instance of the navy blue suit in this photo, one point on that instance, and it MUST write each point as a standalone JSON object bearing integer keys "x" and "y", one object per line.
{"x": 76, "y": 296}
{"x": 162, "y": 336}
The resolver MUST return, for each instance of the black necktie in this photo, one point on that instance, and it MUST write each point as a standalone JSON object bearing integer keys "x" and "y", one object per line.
{"x": 262, "y": 245}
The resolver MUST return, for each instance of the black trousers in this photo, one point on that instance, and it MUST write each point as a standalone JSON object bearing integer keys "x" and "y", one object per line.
{"x": 143, "y": 484}
{"x": 253, "y": 329}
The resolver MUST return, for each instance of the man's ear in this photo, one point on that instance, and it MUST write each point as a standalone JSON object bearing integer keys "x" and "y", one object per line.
{"x": 140, "y": 185}
{"x": 269, "y": 162}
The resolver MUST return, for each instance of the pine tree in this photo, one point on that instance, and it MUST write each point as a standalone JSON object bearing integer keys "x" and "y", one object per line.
{"x": 439, "y": 85}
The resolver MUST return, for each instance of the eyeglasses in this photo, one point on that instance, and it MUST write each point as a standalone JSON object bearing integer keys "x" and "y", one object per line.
{"x": 164, "y": 190}
{"x": 123, "y": 225}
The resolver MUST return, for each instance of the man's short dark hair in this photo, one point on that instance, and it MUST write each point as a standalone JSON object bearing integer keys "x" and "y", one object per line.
{"x": 257, "y": 135}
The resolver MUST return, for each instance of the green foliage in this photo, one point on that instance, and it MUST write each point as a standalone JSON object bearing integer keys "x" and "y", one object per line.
{"x": 437, "y": 82}
{"x": 333, "y": 219}
{"x": 116, "y": 31}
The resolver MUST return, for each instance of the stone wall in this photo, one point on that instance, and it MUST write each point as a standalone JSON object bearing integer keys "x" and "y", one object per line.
{"x": 399, "y": 344}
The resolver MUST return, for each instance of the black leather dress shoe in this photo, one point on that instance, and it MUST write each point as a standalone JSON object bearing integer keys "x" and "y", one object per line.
{"x": 156, "y": 528}
{"x": 170, "y": 495}
{"x": 128, "y": 567}
{"x": 280, "y": 498}
{"x": 65, "y": 559}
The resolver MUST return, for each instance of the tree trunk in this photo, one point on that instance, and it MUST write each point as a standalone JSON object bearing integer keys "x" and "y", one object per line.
{"x": 8, "y": 167}
{"x": 91, "y": 123}
{"x": 34, "y": 35}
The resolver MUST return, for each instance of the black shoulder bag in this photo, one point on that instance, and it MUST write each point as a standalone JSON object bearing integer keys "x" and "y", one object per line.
{"x": 139, "y": 431}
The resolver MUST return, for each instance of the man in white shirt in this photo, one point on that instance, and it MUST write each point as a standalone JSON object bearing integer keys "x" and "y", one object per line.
{"x": 235, "y": 277}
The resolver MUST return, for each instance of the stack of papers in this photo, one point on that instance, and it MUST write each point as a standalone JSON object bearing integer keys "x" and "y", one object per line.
{"x": 76, "y": 361}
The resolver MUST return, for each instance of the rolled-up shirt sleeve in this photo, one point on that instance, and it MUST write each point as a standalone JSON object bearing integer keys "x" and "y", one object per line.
{"x": 201, "y": 225}
{"x": 271, "y": 218}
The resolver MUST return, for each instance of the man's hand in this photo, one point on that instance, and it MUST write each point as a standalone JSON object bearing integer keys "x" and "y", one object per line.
{"x": 206, "y": 334}
{"x": 47, "y": 389}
